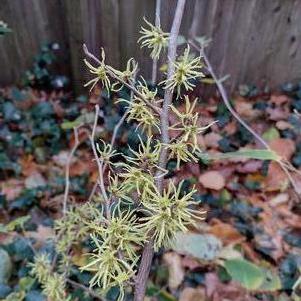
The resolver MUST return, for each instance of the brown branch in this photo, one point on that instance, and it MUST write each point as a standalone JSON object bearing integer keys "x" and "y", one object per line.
{"x": 86, "y": 289}
{"x": 172, "y": 52}
{"x": 148, "y": 251}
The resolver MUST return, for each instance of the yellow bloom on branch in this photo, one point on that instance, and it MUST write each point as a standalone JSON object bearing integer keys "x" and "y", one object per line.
{"x": 100, "y": 72}
{"x": 153, "y": 38}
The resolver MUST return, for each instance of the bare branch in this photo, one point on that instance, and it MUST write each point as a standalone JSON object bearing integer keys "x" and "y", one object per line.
{"x": 172, "y": 52}
{"x": 157, "y": 23}
{"x": 148, "y": 251}
{"x": 100, "y": 166}
{"x": 223, "y": 93}
{"x": 86, "y": 289}
{"x": 225, "y": 97}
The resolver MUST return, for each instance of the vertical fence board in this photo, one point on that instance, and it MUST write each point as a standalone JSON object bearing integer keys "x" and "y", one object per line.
{"x": 254, "y": 41}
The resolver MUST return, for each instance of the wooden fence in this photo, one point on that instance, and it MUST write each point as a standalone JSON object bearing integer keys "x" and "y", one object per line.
{"x": 255, "y": 41}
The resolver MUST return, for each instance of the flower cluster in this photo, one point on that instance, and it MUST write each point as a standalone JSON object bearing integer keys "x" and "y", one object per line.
{"x": 134, "y": 205}
{"x": 189, "y": 125}
{"x": 140, "y": 112}
{"x": 114, "y": 257}
{"x": 168, "y": 213}
{"x": 153, "y": 38}
{"x": 187, "y": 70}
{"x": 100, "y": 72}
{"x": 53, "y": 284}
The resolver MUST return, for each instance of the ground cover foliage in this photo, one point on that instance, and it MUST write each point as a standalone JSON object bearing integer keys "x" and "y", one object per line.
{"x": 247, "y": 248}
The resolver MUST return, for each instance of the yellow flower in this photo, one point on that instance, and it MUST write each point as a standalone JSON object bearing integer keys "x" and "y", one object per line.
{"x": 153, "y": 38}
{"x": 168, "y": 214}
{"x": 100, "y": 72}
{"x": 186, "y": 70}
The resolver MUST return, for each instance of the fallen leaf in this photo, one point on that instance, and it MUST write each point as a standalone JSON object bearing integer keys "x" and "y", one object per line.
{"x": 211, "y": 140}
{"x": 226, "y": 233}
{"x": 190, "y": 263}
{"x": 176, "y": 272}
{"x": 279, "y": 99}
{"x": 35, "y": 180}
{"x": 245, "y": 272}
{"x": 283, "y": 125}
{"x": 12, "y": 189}
{"x": 212, "y": 180}
{"x": 41, "y": 235}
{"x": 201, "y": 246}
{"x": 218, "y": 291}
{"x": 61, "y": 158}
{"x": 285, "y": 148}
{"x": 279, "y": 199}
{"x": 278, "y": 113}
{"x": 244, "y": 108}
{"x": 249, "y": 167}
{"x": 276, "y": 178}
{"x": 192, "y": 294}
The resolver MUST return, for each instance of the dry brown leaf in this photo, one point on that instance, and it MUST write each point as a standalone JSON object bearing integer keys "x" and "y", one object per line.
{"x": 35, "y": 180}
{"x": 226, "y": 232}
{"x": 175, "y": 269}
{"x": 212, "y": 180}
{"x": 279, "y": 99}
{"x": 192, "y": 294}
{"x": 218, "y": 291}
{"x": 250, "y": 166}
{"x": 12, "y": 189}
{"x": 279, "y": 199}
{"x": 211, "y": 140}
{"x": 283, "y": 125}
{"x": 190, "y": 263}
{"x": 41, "y": 235}
{"x": 285, "y": 148}
{"x": 276, "y": 178}
{"x": 244, "y": 108}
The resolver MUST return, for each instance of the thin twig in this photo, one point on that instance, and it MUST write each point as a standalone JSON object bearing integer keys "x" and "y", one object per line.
{"x": 148, "y": 251}
{"x": 226, "y": 101}
{"x": 67, "y": 174}
{"x": 128, "y": 85}
{"x": 100, "y": 165}
{"x": 86, "y": 289}
{"x": 115, "y": 132}
{"x": 157, "y": 24}
{"x": 225, "y": 97}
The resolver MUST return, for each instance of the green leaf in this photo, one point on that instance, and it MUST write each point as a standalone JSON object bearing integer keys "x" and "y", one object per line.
{"x": 67, "y": 125}
{"x": 26, "y": 283}
{"x": 271, "y": 134}
{"x": 201, "y": 246}
{"x": 87, "y": 117}
{"x": 259, "y": 154}
{"x": 271, "y": 282}
{"x": 246, "y": 273}
{"x": 18, "y": 222}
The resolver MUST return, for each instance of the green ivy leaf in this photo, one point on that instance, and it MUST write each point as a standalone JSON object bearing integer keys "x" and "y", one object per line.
{"x": 18, "y": 222}
{"x": 246, "y": 273}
